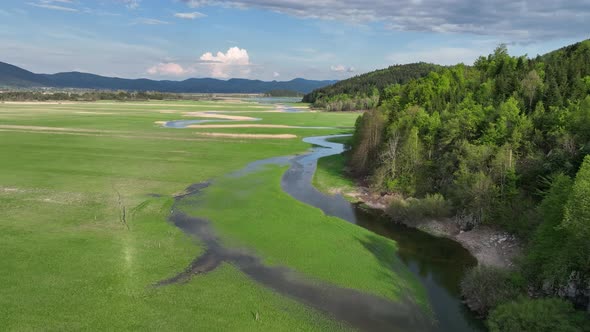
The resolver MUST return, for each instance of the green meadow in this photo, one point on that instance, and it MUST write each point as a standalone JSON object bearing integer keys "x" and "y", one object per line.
{"x": 85, "y": 193}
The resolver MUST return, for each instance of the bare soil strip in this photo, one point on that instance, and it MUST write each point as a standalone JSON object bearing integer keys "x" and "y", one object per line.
{"x": 240, "y": 126}
{"x": 243, "y": 104}
{"x": 98, "y": 134}
{"x": 252, "y": 136}
{"x": 40, "y": 102}
{"x": 219, "y": 116}
{"x": 41, "y": 128}
{"x": 95, "y": 113}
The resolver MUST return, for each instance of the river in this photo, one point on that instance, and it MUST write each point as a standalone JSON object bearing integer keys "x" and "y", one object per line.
{"x": 438, "y": 263}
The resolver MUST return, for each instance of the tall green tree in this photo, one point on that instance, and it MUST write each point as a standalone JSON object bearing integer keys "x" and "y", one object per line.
{"x": 577, "y": 211}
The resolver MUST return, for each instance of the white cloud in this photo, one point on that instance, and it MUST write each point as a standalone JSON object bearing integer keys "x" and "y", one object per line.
{"x": 48, "y": 4}
{"x": 235, "y": 62}
{"x": 149, "y": 21}
{"x": 342, "y": 69}
{"x": 195, "y": 3}
{"x": 99, "y": 12}
{"x": 131, "y": 4}
{"x": 189, "y": 16}
{"x": 167, "y": 69}
{"x": 275, "y": 74}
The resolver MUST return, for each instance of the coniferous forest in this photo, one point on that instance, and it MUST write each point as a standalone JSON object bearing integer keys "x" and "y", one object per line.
{"x": 504, "y": 143}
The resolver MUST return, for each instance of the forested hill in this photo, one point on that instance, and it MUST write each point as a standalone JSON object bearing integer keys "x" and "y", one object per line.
{"x": 362, "y": 91}
{"x": 15, "y": 77}
{"x": 505, "y": 143}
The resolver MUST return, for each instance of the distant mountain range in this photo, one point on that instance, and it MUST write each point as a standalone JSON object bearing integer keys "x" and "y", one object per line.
{"x": 16, "y": 77}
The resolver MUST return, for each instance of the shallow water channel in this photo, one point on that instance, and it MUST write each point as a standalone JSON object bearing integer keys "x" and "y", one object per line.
{"x": 438, "y": 263}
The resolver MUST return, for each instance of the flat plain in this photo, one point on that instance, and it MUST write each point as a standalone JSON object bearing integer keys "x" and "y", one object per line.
{"x": 86, "y": 190}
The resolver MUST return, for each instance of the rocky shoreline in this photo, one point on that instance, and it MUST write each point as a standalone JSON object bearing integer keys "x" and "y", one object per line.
{"x": 490, "y": 246}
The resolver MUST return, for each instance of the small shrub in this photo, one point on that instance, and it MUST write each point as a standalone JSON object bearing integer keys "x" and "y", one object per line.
{"x": 435, "y": 206}
{"x": 413, "y": 209}
{"x": 484, "y": 288}
{"x": 397, "y": 210}
{"x": 536, "y": 315}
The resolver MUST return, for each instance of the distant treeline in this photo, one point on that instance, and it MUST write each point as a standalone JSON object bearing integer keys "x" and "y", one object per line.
{"x": 506, "y": 143}
{"x": 93, "y": 96}
{"x": 362, "y": 92}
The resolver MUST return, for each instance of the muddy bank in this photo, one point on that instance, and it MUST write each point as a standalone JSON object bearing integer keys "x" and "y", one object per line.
{"x": 491, "y": 247}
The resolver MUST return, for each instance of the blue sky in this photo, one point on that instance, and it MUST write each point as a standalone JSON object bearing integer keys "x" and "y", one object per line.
{"x": 275, "y": 39}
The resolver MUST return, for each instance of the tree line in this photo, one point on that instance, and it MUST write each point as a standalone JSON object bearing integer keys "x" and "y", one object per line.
{"x": 93, "y": 95}
{"x": 362, "y": 91}
{"x": 504, "y": 142}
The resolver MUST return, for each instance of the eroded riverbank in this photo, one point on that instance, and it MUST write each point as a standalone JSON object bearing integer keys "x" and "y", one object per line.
{"x": 491, "y": 247}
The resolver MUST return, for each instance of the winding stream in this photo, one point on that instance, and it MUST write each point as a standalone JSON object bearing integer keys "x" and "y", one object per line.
{"x": 437, "y": 262}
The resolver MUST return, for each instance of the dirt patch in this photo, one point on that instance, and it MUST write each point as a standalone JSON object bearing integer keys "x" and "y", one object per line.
{"x": 98, "y": 134}
{"x": 254, "y": 111}
{"x": 219, "y": 116}
{"x": 38, "y": 102}
{"x": 252, "y": 136}
{"x": 491, "y": 247}
{"x": 41, "y": 128}
{"x": 240, "y": 126}
{"x": 95, "y": 113}
{"x": 11, "y": 190}
{"x": 45, "y": 195}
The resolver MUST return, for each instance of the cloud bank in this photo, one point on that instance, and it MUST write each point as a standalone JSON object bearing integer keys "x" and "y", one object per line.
{"x": 167, "y": 69}
{"x": 189, "y": 16}
{"x": 342, "y": 69}
{"x": 131, "y": 4}
{"x": 54, "y": 5}
{"x": 235, "y": 62}
{"x": 514, "y": 21}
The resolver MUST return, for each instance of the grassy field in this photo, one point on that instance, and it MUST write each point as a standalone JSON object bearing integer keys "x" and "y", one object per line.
{"x": 69, "y": 171}
{"x": 330, "y": 176}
